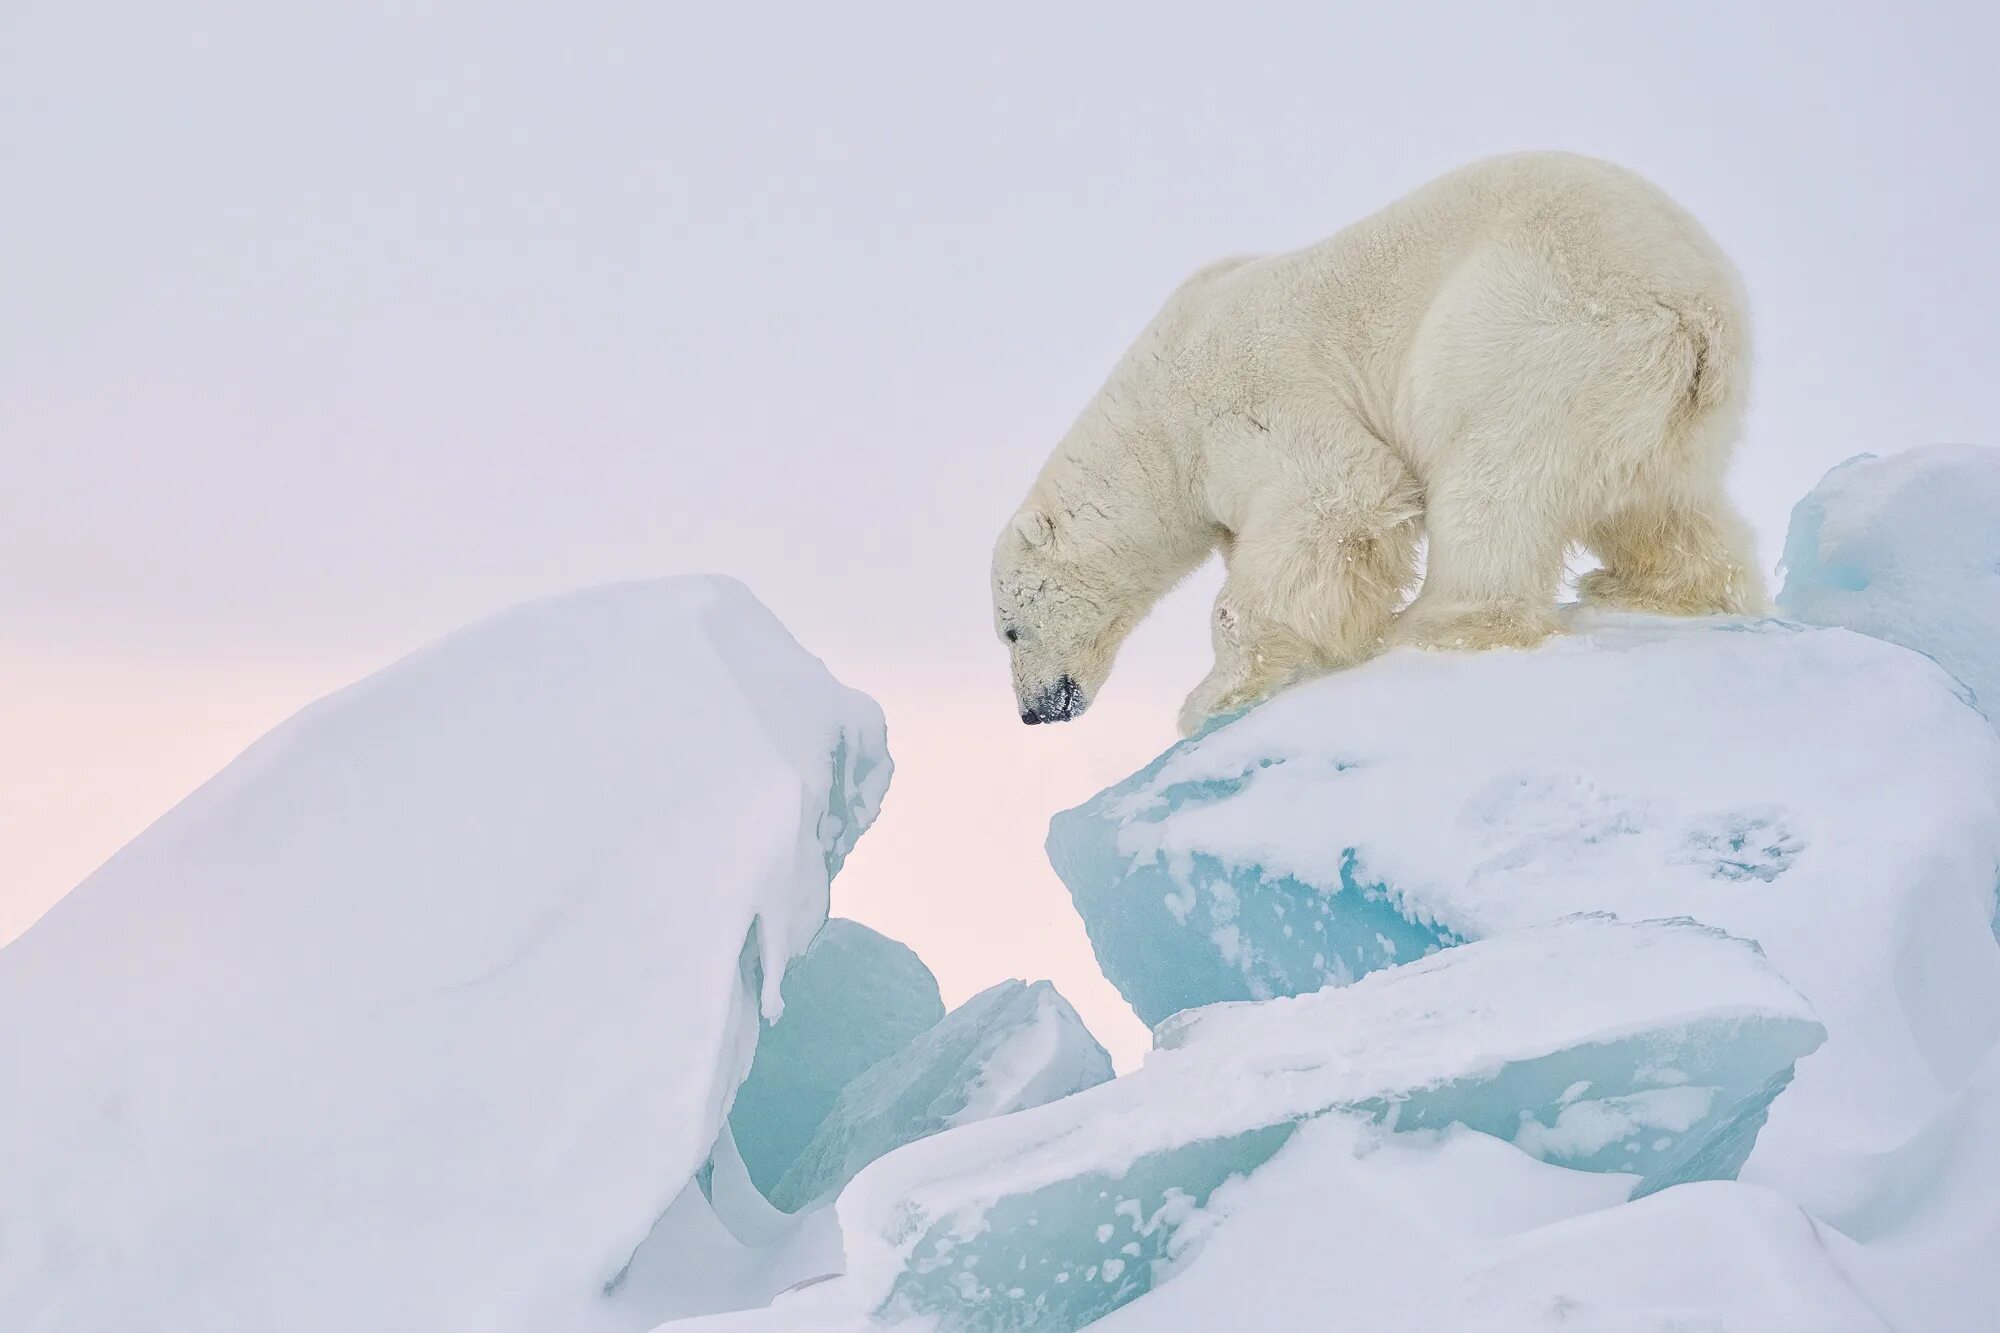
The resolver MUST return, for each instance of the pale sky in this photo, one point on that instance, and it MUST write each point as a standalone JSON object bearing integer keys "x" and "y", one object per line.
{"x": 327, "y": 327}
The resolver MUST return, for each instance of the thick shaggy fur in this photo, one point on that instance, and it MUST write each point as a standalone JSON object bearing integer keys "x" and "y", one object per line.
{"x": 1530, "y": 353}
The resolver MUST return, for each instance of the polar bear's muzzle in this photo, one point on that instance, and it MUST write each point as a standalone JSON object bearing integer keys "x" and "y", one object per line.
{"x": 1055, "y": 703}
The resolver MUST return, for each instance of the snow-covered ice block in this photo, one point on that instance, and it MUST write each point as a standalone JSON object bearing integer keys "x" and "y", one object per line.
{"x": 1650, "y": 1048}
{"x": 1350, "y": 1228}
{"x": 425, "y": 1009}
{"x": 1595, "y": 1045}
{"x": 1008, "y": 1048}
{"x": 1907, "y": 548}
{"x": 852, "y": 999}
{"x": 1823, "y": 793}
{"x": 1176, "y": 930}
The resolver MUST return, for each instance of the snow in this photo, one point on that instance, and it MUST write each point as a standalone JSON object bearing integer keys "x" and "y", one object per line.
{"x": 1002, "y": 1224}
{"x": 1349, "y": 1227}
{"x": 1929, "y": 1215}
{"x": 424, "y": 1010}
{"x": 854, "y": 998}
{"x": 1006, "y": 1049}
{"x": 1826, "y": 795}
{"x": 1907, "y": 549}
{"x": 1647, "y": 981}
{"x": 720, "y": 1246}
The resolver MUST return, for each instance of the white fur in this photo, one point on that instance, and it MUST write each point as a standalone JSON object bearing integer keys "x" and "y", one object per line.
{"x": 1530, "y": 353}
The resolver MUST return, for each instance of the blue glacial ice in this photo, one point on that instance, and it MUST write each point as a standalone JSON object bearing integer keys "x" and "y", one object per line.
{"x": 1008, "y": 1048}
{"x": 1649, "y": 1049}
{"x": 852, "y": 999}
{"x": 1192, "y": 929}
{"x": 1907, "y": 548}
{"x": 1825, "y": 794}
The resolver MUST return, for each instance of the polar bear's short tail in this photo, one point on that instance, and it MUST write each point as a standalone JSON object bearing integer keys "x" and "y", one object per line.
{"x": 1715, "y": 357}
{"x": 1666, "y": 388}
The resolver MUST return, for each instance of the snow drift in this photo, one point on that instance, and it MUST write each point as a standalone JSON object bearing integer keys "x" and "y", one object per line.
{"x": 422, "y": 1012}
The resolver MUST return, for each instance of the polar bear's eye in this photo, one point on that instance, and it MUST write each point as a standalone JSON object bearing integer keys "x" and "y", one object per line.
{"x": 1012, "y": 635}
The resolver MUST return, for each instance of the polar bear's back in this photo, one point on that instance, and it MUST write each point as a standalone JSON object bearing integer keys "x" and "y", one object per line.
{"x": 1587, "y": 243}
{"x": 1597, "y": 228}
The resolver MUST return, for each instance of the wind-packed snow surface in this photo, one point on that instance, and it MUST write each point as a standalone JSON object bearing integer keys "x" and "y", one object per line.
{"x": 423, "y": 1011}
{"x": 1907, "y": 548}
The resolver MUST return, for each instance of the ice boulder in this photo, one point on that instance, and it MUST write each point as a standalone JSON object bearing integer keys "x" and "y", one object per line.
{"x": 1907, "y": 548}
{"x": 853, "y": 998}
{"x": 423, "y": 1011}
{"x": 1350, "y": 1228}
{"x": 1008, "y": 1048}
{"x": 1827, "y": 795}
{"x": 1648, "y": 1051}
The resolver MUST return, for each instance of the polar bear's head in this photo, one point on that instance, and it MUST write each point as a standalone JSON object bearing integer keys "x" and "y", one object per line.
{"x": 1060, "y": 612}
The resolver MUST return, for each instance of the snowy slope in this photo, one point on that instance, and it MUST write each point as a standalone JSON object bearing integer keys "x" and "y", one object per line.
{"x": 421, "y": 1012}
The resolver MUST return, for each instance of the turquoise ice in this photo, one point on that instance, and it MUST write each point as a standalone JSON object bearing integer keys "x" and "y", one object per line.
{"x": 1650, "y": 1049}
{"x": 1907, "y": 548}
{"x": 1193, "y": 929}
{"x": 1759, "y": 776}
{"x": 852, "y": 999}
{"x": 1008, "y": 1048}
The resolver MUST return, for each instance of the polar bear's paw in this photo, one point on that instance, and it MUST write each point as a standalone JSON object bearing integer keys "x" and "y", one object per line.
{"x": 1215, "y": 698}
{"x": 1702, "y": 591}
{"x": 1236, "y": 687}
{"x": 1472, "y": 629}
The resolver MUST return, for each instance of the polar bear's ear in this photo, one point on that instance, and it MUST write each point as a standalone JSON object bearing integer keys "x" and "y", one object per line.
{"x": 1034, "y": 527}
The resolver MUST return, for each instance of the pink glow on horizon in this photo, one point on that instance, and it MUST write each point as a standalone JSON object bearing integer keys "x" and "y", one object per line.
{"x": 100, "y": 747}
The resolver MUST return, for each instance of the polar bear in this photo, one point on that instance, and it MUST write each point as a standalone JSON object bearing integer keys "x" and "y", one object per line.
{"x": 1532, "y": 352}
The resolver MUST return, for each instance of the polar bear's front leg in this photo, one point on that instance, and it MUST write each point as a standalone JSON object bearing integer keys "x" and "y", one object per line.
{"x": 1312, "y": 587}
{"x": 1253, "y": 661}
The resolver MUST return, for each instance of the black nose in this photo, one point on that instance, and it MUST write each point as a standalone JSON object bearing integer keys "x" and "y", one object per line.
{"x": 1054, "y": 703}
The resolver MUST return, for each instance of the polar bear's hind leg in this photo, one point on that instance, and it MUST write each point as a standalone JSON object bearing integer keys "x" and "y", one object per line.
{"x": 1563, "y": 400}
{"x": 1690, "y": 559}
